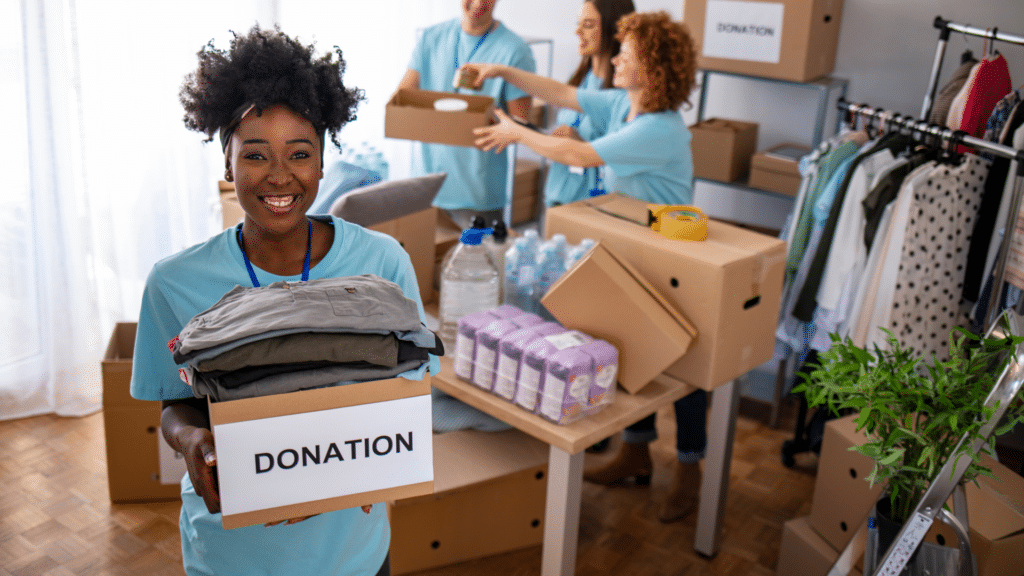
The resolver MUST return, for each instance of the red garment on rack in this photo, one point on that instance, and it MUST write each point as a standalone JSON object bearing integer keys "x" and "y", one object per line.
{"x": 990, "y": 85}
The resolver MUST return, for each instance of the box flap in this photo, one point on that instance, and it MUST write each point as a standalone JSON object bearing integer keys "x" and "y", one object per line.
{"x": 426, "y": 99}
{"x": 997, "y": 506}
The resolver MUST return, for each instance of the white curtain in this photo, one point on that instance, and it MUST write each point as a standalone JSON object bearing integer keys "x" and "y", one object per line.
{"x": 102, "y": 178}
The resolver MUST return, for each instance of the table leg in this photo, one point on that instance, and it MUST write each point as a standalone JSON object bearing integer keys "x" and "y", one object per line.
{"x": 562, "y": 513}
{"x": 725, "y": 402}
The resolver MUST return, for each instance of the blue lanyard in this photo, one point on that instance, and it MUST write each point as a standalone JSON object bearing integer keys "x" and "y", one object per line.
{"x": 305, "y": 263}
{"x": 458, "y": 42}
{"x": 598, "y": 189}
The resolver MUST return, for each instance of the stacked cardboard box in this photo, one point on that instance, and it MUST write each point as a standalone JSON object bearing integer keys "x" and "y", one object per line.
{"x": 526, "y": 190}
{"x": 843, "y": 499}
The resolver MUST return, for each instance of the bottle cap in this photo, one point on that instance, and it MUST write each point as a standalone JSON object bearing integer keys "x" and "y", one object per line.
{"x": 500, "y": 231}
{"x": 472, "y": 236}
{"x": 478, "y": 222}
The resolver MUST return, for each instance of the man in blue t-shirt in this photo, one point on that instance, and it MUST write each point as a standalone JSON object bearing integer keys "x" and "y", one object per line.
{"x": 476, "y": 182}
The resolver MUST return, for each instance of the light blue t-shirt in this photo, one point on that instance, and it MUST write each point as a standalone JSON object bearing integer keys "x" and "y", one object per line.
{"x": 563, "y": 184}
{"x": 476, "y": 179}
{"x": 346, "y": 542}
{"x": 648, "y": 158}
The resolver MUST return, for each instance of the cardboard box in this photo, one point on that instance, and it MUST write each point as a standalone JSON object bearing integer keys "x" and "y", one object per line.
{"x": 804, "y": 553}
{"x": 777, "y": 169}
{"x": 995, "y": 511}
{"x": 722, "y": 148}
{"x": 132, "y": 429}
{"x": 410, "y": 115}
{"x": 526, "y": 190}
{"x": 842, "y": 497}
{"x": 728, "y": 286}
{"x": 416, "y": 232}
{"x": 320, "y": 450}
{"x": 787, "y": 39}
{"x": 604, "y": 296}
{"x": 489, "y": 499}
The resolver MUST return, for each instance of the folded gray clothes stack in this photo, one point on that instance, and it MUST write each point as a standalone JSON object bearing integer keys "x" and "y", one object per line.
{"x": 295, "y": 336}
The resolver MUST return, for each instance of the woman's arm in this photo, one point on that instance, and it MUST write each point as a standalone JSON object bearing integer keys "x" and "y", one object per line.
{"x": 564, "y": 150}
{"x": 186, "y": 427}
{"x": 551, "y": 91}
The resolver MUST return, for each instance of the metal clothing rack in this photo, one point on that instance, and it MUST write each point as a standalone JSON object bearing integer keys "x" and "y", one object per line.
{"x": 1007, "y": 387}
{"x": 945, "y": 27}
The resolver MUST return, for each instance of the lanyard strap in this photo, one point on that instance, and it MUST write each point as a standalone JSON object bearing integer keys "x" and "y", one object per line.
{"x": 458, "y": 43}
{"x": 305, "y": 262}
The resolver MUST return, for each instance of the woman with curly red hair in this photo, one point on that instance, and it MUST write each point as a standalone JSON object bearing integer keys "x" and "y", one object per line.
{"x": 647, "y": 148}
{"x": 646, "y": 143}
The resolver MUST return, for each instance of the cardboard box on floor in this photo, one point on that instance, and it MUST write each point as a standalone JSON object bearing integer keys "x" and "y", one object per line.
{"x": 135, "y": 470}
{"x": 604, "y": 296}
{"x": 488, "y": 499}
{"x": 410, "y": 115}
{"x": 313, "y": 451}
{"x": 769, "y": 171}
{"x": 786, "y": 39}
{"x": 803, "y": 552}
{"x": 722, "y": 148}
{"x": 728, "y": 286}
{"x": 995, "y": 511}
{"x": 230, "y": 210}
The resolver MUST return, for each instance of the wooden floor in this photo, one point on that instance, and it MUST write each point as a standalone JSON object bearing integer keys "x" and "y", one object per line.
{"x": 56, "y": 518}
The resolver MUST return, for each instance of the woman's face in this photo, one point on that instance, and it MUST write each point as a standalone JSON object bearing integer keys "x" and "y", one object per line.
{"x": 629, "y": 74}
{"x": 588, "y": 28}
{"x": 275, "y": 160}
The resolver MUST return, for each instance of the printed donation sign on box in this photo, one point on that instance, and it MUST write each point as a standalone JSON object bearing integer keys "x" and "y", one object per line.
{"x": 314, "y": 451}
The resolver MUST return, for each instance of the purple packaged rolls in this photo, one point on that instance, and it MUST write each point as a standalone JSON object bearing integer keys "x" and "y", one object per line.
{"x": 569, "y": 374}
{"x": 510, "y": 355}
{"x": 485, "y": 360}
{"x": 465, "y": 336}
{"x": 532, "y": 366}
{"x": 606, "y": 369}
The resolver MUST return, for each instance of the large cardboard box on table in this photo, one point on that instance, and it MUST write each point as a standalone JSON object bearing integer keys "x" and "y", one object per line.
{"x": 804, "y": 553}
{"x": 722, "y": 148}
{"x": 140, "y": 465}
{"x": 786, "y": 39}
{"x": 728, "y": 286}
{"x": 605, "y": 297}
{"x": 410, "y": 115}
{"x": 489, "y": 498}
{"x": 777, "y": 169}
{"x": 313, "y": 451}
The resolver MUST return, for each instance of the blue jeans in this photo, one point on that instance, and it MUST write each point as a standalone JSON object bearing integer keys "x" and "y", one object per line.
{"x": 691, "y": 428}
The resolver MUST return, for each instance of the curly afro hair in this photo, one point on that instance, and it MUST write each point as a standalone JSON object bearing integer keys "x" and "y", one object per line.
{"x": 668, "y": 54}
{"x": 263, "y": 68}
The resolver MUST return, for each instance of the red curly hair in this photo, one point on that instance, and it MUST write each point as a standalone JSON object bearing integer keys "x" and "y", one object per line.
{"x": 667, "y": 53}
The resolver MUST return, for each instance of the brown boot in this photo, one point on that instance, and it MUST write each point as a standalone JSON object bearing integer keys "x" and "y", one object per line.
{"x": 682, "y": 494}
{"x": 633, "y": 460}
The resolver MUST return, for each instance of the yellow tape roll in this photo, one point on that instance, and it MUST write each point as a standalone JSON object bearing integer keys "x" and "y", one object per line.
{"x": 678, "y": 222}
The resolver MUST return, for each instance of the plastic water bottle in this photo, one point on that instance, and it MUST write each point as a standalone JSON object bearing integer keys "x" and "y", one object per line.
{"x": 497, "y": 245}
{"x": 520, "y": 271}
{"x": 561, "y": 245}
{"x": 469, "y": 283}
{"x": 576, "y": 252}
{"x": 378, "y": 164}
{"x": 550, "y": 267}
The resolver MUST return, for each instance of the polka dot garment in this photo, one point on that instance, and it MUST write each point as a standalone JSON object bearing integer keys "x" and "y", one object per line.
{"x": 926, "y": 303}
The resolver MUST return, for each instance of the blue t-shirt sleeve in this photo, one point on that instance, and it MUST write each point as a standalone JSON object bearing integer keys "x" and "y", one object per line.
{"x": 597, "y": 105}
{"x": 523, "y": 59}
{"x": 154, "y": 373}
{"x": 647, "y": 143}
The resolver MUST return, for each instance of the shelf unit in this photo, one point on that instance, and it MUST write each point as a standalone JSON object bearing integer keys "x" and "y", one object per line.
{"x": 825, "y": 89}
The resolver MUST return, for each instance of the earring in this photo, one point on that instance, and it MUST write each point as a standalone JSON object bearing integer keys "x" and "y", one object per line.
{"x": 228, "y": 175}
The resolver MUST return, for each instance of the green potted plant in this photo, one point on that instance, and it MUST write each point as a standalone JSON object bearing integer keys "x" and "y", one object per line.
{"x": 913, "y": 412}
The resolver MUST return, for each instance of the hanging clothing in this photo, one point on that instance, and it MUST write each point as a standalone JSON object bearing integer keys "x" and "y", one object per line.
{"x": 943, "y": 100}
{"x": 926, "y": 303}
{"x": 956, "y": 107}
{"x": 990, "y": 85}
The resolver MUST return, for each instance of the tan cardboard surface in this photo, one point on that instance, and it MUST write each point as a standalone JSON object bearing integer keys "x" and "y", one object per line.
{"x": 722, "y": 148}
{"x": 810, "y": 36}
{"x": 415, "y": 232}
{"x": 803, "y": 553}
{"x": 117, "y": 369}
{"x": 604, "y": 296}
{"x": 231, "y": 210}
{"x": 308, "y": 401}
{"x": 410, "y": 115}
{"x": 728, "y": 286}
{"x": 489, "y": 498}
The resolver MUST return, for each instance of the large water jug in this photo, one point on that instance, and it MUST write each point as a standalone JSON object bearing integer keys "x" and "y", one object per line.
{"x": 469, "y": 283}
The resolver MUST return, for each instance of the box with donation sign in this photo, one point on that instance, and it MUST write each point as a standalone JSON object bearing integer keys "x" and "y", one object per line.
{"x": 727, "y": 286}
